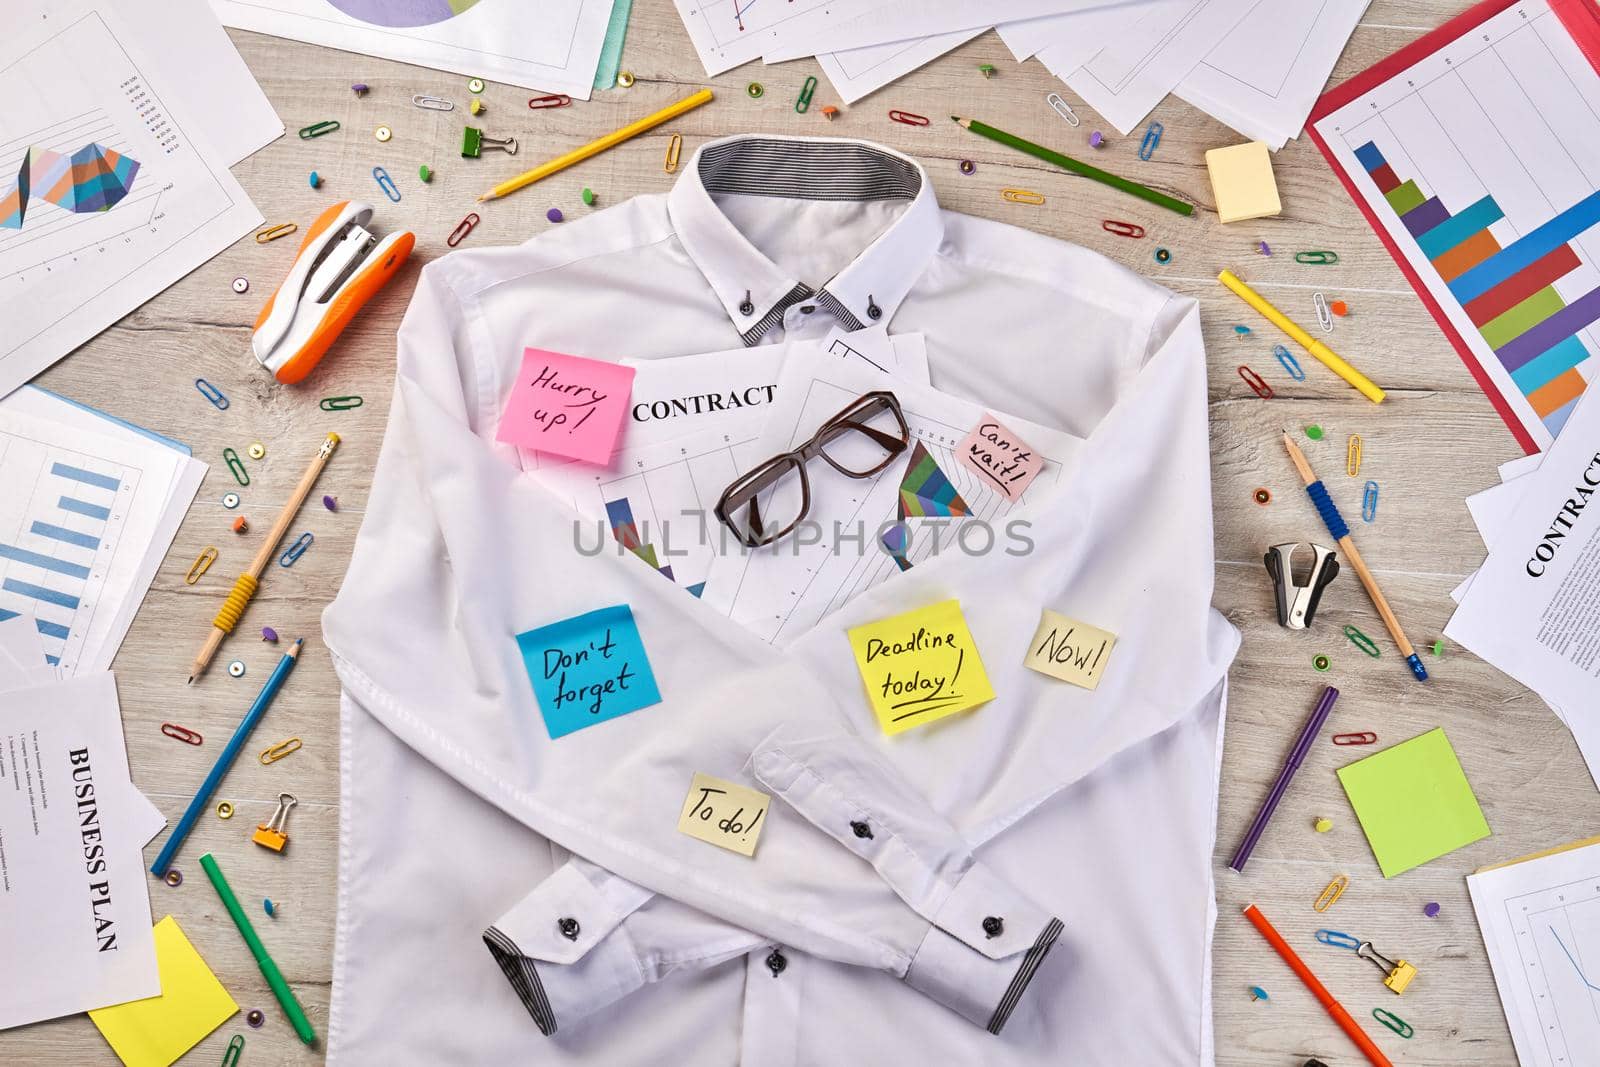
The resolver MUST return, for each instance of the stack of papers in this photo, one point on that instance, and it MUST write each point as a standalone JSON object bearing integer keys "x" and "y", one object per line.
{"x": 1255, "y": 65}
{"x": 1533, "y": 609}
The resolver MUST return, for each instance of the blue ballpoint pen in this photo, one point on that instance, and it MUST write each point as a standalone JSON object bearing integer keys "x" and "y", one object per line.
{"x": 225, "y": 760}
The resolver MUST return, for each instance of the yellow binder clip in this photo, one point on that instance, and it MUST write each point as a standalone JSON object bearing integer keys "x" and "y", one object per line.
{"x": 1397, "y": 973}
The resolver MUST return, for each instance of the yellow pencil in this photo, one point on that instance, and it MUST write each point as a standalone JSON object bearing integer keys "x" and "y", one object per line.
{"x": 1328, "y": 357}
{"x": 594, "y": 148}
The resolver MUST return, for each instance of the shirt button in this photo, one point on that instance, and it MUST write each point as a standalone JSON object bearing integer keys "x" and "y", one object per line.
{"x": 806, "y": 309}
{"x": 569, "y": 928}
{"x": 747, "y": 308}
{"x": 860, "y": 829}
{"x": 776, "y": 962}
{"x": 874, "y": 312}
{"x": 993, "y": 926}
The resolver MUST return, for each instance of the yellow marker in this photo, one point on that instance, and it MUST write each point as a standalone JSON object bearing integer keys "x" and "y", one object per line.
{"x": 726, "y": 814}
{"x": 1327, "y": 356}
{"x": 594, "y": 148}
{"x": 920, "y": 666}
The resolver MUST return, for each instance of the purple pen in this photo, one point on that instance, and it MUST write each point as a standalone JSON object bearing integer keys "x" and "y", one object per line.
{"x": 1281, "y": 786}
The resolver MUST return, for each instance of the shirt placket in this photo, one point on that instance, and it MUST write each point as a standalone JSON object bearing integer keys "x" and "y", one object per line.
{"x": 771, "y": 1030}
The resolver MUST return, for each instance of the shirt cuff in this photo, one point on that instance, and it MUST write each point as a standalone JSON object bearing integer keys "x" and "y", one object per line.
{"x": 972, "y": 985}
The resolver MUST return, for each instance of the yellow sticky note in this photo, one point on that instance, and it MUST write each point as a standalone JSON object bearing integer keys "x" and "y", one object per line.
{"x": 156, "y": 1031}
{"x": 1241, "y": 180}
{"x": 1414, "y": 802}
{"x": 726, "y": 814}
{"x": 1070, "y": 650}
{"x": 920, "y": 666}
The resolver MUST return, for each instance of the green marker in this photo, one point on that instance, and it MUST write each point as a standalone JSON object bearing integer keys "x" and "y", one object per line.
{"x": 280, "y": 988}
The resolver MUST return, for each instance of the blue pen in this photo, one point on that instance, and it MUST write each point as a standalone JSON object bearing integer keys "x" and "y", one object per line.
{"x": 229, "y": 754}
{"x": 1340, "y": 531}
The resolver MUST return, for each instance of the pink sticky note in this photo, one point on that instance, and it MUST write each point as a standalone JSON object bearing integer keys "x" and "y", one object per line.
{"x": 566, "y": 405}
{"x": 1002, "y": 461}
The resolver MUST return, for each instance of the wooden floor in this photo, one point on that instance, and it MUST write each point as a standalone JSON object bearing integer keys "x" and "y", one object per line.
{"x": 1435, "y": 441}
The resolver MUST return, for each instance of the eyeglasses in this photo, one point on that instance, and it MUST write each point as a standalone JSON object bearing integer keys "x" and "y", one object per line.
{"x": 769, "y": 501}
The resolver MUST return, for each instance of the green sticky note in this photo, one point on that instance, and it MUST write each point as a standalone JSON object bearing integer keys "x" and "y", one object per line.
{"x": 1414, "y": 802}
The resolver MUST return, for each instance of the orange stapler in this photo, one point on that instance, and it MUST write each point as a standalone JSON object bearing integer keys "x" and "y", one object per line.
{"x": 340, "y": 266}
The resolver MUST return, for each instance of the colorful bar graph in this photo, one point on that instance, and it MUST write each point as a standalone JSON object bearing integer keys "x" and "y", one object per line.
{"x": 1508, "y": 292}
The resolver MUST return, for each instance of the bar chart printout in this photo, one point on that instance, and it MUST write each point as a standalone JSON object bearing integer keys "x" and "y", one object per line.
{"x": 1480, "y": 164}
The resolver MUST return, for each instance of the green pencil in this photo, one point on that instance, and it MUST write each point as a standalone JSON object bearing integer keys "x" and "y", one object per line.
{"x": 1011, "y": 140}
{"x": 280, "y": 988}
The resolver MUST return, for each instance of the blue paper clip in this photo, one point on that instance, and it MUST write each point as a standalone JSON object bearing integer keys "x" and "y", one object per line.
{"x": 1290, "y": 364}
{"x": 1369, "y": 502}
{"x": 1338, "y": 939}
{"x": 386, "y": 183}
{"x": 296, "y": 550}
{"x": 1152, "y": 137}
{"x": 211, "y": 393}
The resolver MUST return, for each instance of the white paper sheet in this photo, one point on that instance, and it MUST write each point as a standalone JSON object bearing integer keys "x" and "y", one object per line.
{"x": 859, "y": 71}
{"x": 1088, "y": 30}
{"x": 1125, "y": 80}
{"x": 832, "y": 27}
{"x": 553, "y": 45}
{"x": 67, "y": 274}
{"x": 74, "y": 901}
{"x": 1540, "y": 921}
{"x": 89, "y": 509}
{"x": 1265, "y": 76}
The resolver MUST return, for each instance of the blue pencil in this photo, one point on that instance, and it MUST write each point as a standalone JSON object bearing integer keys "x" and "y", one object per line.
{"x": 224, "y": 761}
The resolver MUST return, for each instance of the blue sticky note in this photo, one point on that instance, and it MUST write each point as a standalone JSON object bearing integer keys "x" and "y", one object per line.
{"x": 588, "y": 669}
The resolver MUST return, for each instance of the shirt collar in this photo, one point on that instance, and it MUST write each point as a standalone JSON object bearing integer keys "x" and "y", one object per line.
{"x": 754, "y": 291}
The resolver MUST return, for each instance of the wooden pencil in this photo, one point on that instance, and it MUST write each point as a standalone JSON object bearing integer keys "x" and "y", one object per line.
{"x": 1341, "y": 532}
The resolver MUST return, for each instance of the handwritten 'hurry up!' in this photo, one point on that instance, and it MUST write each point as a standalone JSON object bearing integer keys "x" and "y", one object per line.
{"x": 566, "y": 405}
{"x": 920, "y": 666}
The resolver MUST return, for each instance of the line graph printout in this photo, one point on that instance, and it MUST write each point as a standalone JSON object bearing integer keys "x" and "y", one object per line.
{"x": 1481, "y": 164}
{"x": 1540, "y": 920}
{"x": 728, "y": 33}
{"x": 916, "y": 508}
{"x": 104, "y": 199}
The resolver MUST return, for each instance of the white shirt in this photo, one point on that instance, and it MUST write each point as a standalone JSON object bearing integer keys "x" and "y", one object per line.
{"x": 1082, "y": 820}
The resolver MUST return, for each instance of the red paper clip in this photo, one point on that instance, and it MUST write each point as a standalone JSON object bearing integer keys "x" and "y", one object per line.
{"x": 554, "y": 100}
{"x": 908, "y": 118}
{"x": 180, "y": 733}
{"x": 1122, "y": 229}
{"x": 1366, "y": 737}
{"x": 463, "y": 228}
{"x": 1256, "y": 382}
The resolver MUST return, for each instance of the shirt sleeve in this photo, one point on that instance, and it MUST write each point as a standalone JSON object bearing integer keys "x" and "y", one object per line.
{"x": 458, "y": 552}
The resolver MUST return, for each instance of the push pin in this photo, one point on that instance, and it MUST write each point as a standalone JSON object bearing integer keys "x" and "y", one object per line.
{"x": 330, "y": 502}
{"x": 272, "y": 834}
{"x": 830, "y": 112}
{"x": 1297, "y": 601}
{"x": 359, "y": 88}
{"x": 986, "y": 69}
{"x": 476, "y": 107}
{"x": 240, "y": 525}
{"x": 1398, "y": 974}
{"x": 473, "y": 142}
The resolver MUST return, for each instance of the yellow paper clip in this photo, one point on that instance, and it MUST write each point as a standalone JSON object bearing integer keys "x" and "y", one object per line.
{"x": 272, "y": 233}
{"x": 1334, "y": 891}
{"x": 1352, "y": 456}
{"x": 1021, "y": 196}
{"x": 202, "y": 563}
{"x": 674, "y": 147}
{"x": 274, "y": 753}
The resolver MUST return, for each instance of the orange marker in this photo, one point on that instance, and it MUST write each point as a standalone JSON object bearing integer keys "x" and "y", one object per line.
{"x": 1373, "y": 1053}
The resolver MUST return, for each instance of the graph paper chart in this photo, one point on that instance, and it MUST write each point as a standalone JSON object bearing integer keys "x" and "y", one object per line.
{"x": 1482, "y": 163}
{"x": 58, "y": 537}
{"x": 1557, "y": 934}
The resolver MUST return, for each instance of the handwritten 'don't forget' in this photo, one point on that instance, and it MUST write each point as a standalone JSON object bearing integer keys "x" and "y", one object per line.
{"x": 920, "y": 666}
{"x": 566, "y": 405}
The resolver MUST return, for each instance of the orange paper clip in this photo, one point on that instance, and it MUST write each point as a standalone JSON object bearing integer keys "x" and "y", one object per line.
{"x": 1366, "y": 737}
{"x": 1122, "y": 229}
{"x": 180, "y": 733}
{"x": 553, "y": 100}
{"x": 908, "y": 118}
{"x": 1256, "y": 382}
{"x": 463, "y": 228}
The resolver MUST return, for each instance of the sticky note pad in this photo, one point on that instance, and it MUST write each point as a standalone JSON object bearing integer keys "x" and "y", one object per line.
{"x": 1414, "y": 802}
{"x": 1070, "y": 650}
{"x": 588, "y": 669}
{"x": 920, "y": 666}
{"x": 566, "y": 405}
{"x": 1241, "y": 180}
{"x": 1001, "y": 459}
{"x": 156, "y": 1031}
{"x": 727, "y": 814}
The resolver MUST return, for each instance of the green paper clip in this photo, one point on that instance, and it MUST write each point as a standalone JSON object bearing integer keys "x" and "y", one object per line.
{"x": 339, "y": 403}
{"x": 230, "y": 1058}
{"x": 240, "y": 475}
{"x": 319, "y": 128}
{"x": 803, "y": 104}
{"x": 1393, "y": 1022}
{"x": 1362, "y": 641}
{"x": 1316, "y": 257}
